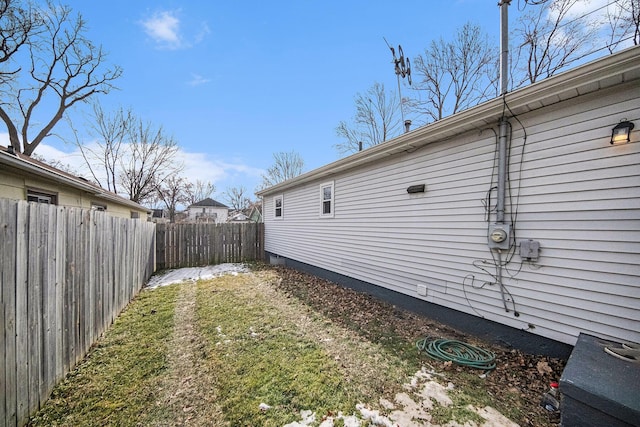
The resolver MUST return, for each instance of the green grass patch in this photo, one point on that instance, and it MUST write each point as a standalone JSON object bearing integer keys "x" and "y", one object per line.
{"x": 117, "y": 383}
{"x": 252, "y": 344}
{"x": 261, "y": 357}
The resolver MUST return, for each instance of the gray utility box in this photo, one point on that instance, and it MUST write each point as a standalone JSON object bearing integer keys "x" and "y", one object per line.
{"x": 598, "y": 389}
{"x": 529, "y": 250}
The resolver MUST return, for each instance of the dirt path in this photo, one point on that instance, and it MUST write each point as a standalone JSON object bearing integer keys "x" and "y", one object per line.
{"x": 188, "y": 392}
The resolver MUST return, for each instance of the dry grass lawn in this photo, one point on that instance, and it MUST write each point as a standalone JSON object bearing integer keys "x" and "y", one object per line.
{"x": 272, "y": 348}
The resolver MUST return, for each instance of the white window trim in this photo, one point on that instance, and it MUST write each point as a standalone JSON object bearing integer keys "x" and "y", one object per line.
{"x": 42, "y": 196}
{"x": 95, "y": 206}
{"x": 332, "y": 200}
{"x": 281, "y": 197}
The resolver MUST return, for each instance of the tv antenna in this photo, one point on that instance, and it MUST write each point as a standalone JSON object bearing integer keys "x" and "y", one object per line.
{"x": 402, "y": 68}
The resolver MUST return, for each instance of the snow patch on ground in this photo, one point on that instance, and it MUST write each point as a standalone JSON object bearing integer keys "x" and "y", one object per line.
{"x": 409, "y": 409}
{"x": 195, "y": 273}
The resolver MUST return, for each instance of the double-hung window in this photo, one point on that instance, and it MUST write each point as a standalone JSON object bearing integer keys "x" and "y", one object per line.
{"x": 278, "y": 206}
{"x": 326, "y": 200}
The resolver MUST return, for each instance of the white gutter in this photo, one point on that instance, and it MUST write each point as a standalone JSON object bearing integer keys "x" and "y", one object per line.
{"x": 608, "y": 71}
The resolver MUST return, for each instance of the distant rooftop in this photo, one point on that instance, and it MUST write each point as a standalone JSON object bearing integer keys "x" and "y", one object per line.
{"x": 209, "y": 202}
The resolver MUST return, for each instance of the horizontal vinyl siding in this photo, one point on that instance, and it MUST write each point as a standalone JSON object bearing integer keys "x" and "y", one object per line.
{"x": 572, "y": 191}
{"x": 581, "y": 200}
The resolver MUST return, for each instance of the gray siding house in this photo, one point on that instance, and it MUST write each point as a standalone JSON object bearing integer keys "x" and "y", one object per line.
{"x": 571, "y": 263}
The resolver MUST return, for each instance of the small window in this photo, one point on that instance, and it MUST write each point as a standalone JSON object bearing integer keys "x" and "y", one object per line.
{"x": 42, "y": 197}
{"x": 278, "y": 203}
{"x": 326, "y": 199}
{"x": 98, "y": 207}
{"x": 135, "y": 215}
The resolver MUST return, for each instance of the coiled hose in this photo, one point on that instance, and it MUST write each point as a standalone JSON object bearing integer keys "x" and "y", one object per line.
{"x": 457, "y": 352}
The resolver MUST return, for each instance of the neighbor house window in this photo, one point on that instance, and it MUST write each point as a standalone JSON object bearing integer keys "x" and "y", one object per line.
{"x": 326, "y": 199}
{"x": 278, "y": 203}
{"x": 42, "y": 197}
{"x": 135, "y": 215}
{"x": 98, "y": 207}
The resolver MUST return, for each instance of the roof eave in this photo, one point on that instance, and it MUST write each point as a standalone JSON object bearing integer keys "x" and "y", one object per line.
{"x": 611, "y": 70}
{"x": 16, "y": 162}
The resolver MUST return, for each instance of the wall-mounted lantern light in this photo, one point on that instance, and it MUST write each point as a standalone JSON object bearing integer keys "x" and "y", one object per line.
{"x": 621, "y": 133}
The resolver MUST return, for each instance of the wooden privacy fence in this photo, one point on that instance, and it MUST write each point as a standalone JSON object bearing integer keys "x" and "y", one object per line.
{"x": 65, "y": 274}
{"x": 194, "y": 245}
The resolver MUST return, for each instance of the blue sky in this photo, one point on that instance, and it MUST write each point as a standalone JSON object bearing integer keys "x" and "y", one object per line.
{"x": 234, "y": 82}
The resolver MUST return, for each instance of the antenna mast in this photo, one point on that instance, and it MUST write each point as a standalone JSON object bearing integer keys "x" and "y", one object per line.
{"x": 402, "y": 68}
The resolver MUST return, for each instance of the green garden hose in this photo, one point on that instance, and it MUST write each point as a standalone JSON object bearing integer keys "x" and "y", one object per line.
{"x": 458, "y": 352}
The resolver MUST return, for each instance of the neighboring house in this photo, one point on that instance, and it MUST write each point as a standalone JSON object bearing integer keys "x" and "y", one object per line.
{"x": 207, "y": 210}
{"x": 24, "y": 178}
{"x": 410, "y": 218}
{"x": 253, "y": 213}
{"x": 160, "y": 215}
{"x": 238, "y": 217}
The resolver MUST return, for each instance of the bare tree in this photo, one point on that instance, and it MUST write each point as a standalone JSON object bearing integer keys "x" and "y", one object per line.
{"x": 110, "y": 130}
{"x": 377, "y": 119}
{"x": 617, "y": 23}
{"x": 633, "y": 10}
{"x": 174, "y": 191}
{"x": 453, "y": 76}
{"x": 58, "y": 164}
{"x": 237, "y": 198}
{"x": 286, "y": 165}
{"x": 200, "y": 190}
{"x": 17, "y": 25}
{"x": 148, "y": 161}
{"x": 550, "y": 40}
{"x": 62, "y": 69}
{"x": 625, "y": 21}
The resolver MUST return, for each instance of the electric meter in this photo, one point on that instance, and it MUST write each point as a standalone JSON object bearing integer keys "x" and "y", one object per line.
{"x": 499, "y": 236}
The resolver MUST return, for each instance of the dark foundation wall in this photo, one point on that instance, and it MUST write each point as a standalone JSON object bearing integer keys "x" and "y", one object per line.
{"x": 485, "y": 329}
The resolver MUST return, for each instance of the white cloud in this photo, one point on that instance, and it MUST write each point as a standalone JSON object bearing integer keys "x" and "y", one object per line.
{"x": 589, "y": 12}
{"x": 164, "y": 28}
{"x": 204, "y": 31}
{"x": 222, "y": 173}
{"x": 593, "y": 17}
{"x": 73, "y": 159}
{"x": 197, "y": 80}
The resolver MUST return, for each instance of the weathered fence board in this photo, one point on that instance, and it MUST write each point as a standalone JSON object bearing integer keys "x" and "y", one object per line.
{"x": 195, "y": 245}
{"x": 65, "y": 274}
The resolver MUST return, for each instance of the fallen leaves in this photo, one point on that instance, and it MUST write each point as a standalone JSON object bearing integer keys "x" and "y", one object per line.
{"x": 544, "y": 368}
{"x": 519, "y": 378}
